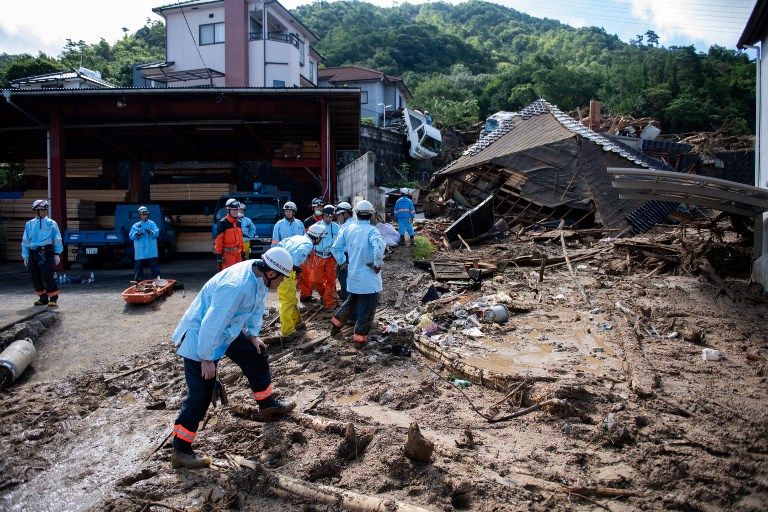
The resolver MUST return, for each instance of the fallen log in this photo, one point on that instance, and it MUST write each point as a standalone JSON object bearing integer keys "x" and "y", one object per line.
{"x": 320, "y": 424}
{"x": 602, "y": 492}
{"x": 573, "y": 273}
{"x": 283, "y": 485}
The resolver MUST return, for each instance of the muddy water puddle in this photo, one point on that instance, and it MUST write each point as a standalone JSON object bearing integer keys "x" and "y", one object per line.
{"x": 110, "y": 445}
{"x": 543, "y": 346}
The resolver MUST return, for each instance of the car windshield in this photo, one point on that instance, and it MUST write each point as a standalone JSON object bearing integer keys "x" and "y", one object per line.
{"x": 431, "y": 144}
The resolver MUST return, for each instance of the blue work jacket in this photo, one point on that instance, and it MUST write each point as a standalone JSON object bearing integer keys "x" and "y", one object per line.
{"x": 363, "y": 243}
{"x": 285, "y": 228}
{"x": 144, "y": 235}
{"x": 404, "y": 209}
{"x": 232, "y": 299}
{"x": 298, "y": 246}
{"x": 39, "y": 232}
{"x": 323, "y": 249}
{"x": 248, "y": 227}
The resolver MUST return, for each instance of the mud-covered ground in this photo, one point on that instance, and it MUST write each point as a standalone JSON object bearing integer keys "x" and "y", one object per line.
{"x": 643, "y": 422}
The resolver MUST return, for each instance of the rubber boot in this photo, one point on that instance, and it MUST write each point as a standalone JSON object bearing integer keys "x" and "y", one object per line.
{"x": 184, "y": 457}
{"x": 189, "y": 460}
{"x": 272, "y": 408}
{"x": 42, "y": 300}
{"x": 53, "y": 303}
{"x": 402, "y": 240}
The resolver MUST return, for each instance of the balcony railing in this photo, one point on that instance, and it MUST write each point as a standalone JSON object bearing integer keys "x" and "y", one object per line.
{"x": 273, "y": 36}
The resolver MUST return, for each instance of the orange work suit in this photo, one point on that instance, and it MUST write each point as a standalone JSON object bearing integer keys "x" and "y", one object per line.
{"x": 305, "y": 276}
{"x": 321, "y": 276}
{"x": 228, "y": 244}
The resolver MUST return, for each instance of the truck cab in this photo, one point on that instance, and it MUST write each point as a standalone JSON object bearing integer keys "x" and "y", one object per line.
{"x": 263, "y": 207}
{"x": 96, "y": 247}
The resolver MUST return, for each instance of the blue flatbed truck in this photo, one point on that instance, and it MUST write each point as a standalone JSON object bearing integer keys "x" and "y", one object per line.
{"x": 264, "y": 207}
{"x": 96, "y": 247}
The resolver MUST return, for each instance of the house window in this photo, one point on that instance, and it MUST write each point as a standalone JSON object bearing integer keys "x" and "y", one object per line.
{"x": 311, "y": 71}
{"x": 211, "y": 33}
{"x": 278, "y": 83}
{"x": 364, "y": 97}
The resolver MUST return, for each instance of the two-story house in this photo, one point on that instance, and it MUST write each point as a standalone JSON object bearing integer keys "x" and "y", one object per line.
{"x": 232, "y": 43}
{"x": 379, "y": 91}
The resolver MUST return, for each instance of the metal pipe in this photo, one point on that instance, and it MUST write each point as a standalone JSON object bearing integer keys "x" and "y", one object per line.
{"x": 15, "y": 359}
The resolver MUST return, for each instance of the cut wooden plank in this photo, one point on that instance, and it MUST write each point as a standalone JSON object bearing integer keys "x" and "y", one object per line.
{"x": 191, "y": 191}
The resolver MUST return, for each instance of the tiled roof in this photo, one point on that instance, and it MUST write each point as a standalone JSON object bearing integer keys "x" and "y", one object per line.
{"x": 504, "y": 140}
{"x": 354, "y": 74}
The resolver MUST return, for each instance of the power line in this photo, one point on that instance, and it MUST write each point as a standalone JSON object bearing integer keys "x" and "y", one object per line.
{"x": 628, "y": 21}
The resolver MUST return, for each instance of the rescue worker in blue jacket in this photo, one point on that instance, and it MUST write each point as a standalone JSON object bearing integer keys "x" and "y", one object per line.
{"x": 249, "y": 230}
{"x": 344, "y": 219}
{"x": 41, "y": 248}
{"x": 288, "y": 225}
{"x": 365, "y": 247}
{"x": 144, "y": 234}
{"x": 299, "y": 247}
{"x": 404, "y": 214}
{"x": 225, "y": 319}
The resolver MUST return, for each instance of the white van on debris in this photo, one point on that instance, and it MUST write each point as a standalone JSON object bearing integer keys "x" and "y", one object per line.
{"x": 425, "y": 140}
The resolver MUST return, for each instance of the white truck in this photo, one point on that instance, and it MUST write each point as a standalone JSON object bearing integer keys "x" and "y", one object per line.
{"x": 424, "y": 139}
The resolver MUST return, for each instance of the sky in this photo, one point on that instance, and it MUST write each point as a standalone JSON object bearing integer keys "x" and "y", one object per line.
{"x": 36, "y": 26}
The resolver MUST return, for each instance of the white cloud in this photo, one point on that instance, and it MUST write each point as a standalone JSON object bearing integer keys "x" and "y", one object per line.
{"x": 698, "y": 21}
{"x": 45, "y": 25}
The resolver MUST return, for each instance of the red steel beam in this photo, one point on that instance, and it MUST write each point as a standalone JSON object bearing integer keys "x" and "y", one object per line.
{"x": 58, "y": 191}
{"x": 324, "y": 149}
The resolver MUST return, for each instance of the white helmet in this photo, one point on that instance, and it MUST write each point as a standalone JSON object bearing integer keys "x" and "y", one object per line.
{"x": 231, "y": 204}
{"x": 343, "y": 207}
{"x": 404, "y": 191}
{"x": 365, "y": 207}
{"x": 316, "y": 230}
{"x": 143, "y": 209}
{"x": 290, "y": 205}
{"x": 40, "y": 204}
{"x": 279, "y": 260}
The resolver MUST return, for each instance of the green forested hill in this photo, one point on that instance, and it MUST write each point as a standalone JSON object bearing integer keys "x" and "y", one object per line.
{"x": 464, "y": 61}
{"x": 467, "y": 60}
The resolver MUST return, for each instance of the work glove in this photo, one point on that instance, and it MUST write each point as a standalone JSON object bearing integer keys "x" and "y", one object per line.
{"x": 219, "y": 394}
{"x": 344, "y": 266}
{"x": 56, "y": 259}
{"x": 297, "y": 270}
{"x": 26, "y": 262}
{"x": 373, "y": 267}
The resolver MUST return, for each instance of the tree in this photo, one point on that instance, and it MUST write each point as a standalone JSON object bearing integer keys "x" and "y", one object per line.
{"x": 652, "y": 38}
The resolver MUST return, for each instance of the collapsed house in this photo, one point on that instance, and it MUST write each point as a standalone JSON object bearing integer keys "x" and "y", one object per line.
{"x": 543, "y": 165}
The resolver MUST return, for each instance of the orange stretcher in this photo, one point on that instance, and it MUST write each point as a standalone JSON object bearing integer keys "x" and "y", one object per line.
{"x": 147, "y": 291}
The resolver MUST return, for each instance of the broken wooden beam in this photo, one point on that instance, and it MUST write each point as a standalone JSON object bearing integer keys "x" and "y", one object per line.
{"x": 284, "y": 485}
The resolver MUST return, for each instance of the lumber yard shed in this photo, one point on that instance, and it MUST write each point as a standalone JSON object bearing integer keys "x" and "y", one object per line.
{"x": 293, "y": 132}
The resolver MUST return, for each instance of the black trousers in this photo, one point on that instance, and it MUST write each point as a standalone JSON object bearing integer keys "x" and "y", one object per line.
{"x": 41, "y": 269}
{"x": 255, "y": 367}
{"x": 364, "y": 306}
